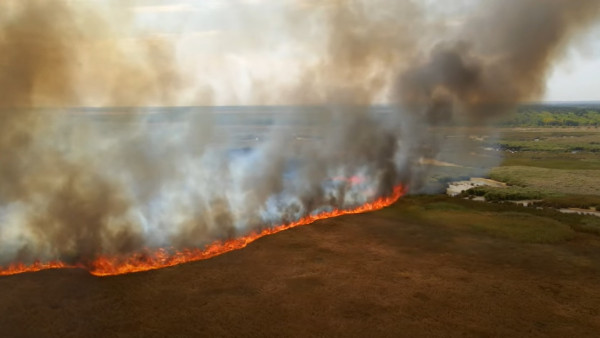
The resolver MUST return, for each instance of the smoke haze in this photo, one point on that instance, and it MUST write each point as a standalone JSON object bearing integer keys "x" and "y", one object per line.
{"x": 75, "y": 184}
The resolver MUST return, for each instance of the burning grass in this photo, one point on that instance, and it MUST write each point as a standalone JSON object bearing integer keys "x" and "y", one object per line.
{"x": 162, "y": 258}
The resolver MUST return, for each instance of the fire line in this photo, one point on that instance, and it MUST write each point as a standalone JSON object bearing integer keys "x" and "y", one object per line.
{"x": 162, "y": 258}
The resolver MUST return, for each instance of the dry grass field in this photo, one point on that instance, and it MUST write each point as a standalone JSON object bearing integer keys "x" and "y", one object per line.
{"x": 409, "y": 270}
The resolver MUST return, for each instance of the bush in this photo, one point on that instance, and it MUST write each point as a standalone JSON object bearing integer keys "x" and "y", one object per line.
{"x": 512, "y": 193}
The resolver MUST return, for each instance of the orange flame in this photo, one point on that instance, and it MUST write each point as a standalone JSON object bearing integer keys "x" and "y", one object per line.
{"x": 162, "y": 258}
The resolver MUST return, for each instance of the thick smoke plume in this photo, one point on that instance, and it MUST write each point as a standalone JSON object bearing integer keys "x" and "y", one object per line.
{"x": 76, "y": 183}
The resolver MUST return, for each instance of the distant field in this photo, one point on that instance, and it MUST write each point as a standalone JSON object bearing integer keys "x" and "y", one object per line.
{"x": 507, "y": 221}
{"x": 554, "y": 141}
{"x": 553, "y": 160}
{"x": 549, "y": 153}
{"x": 550, "y": 180}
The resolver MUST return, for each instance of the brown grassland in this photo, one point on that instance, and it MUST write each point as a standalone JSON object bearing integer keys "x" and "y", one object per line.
{"x": 427, "y": 266}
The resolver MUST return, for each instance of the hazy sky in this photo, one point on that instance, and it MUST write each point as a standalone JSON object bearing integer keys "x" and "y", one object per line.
{"x": 227, "y": 46}
{"x": 575, "y": 77}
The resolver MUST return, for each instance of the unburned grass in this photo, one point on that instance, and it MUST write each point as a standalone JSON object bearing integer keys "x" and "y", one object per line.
{"x": 550, "y": 160}
{"x": 556, "y": 141}
{"x": 583, "y": 182}
{"x": 497, "y": 220}
{"x": 511, "y": 193}
{"x": 571, "y": 201}
{"x": 542, "y": 199}
{"x": 516, "y": 226}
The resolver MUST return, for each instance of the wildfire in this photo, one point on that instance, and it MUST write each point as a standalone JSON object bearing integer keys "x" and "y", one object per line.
{"x": 162, "y": 258}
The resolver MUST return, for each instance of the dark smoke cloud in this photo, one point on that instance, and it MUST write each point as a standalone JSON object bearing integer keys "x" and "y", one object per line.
{"x": 500, "y": 59}
{"x": 73, "y": 187}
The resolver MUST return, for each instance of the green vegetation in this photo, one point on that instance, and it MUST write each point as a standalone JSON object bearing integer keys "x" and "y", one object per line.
{"x": 548, "y": 181}
{"x": 512, "y": 193}
{"x": 571, "y": 201}
{"x": 566, "y": 115}
{"x": 571, "y": 142}
{"x": 553, "y": 160}
{"x": 505, "y": 221}
{"x": 544, "y": 199}
{"x": 551, "y": 156}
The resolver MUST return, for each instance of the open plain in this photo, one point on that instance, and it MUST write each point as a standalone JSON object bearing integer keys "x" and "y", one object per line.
{"x": 414, "y": 269}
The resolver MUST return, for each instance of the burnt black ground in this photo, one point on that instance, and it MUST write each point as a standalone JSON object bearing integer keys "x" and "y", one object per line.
{"x": 362, "y": 275}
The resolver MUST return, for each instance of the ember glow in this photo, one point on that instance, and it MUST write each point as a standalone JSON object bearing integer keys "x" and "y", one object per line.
{"x": 162, "y": 258}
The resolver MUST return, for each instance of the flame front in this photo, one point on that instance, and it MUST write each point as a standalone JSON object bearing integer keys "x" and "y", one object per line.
{"x": 162, "y": 258}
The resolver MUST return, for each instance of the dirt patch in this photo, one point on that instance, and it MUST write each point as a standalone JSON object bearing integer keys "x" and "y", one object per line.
{"x": 455, "y": 188}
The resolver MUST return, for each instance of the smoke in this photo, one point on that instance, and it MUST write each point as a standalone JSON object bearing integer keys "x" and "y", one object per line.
{"x": 57, "y": 202}
{"x": 78, "y": 183}
{"x": 501, "y": 58}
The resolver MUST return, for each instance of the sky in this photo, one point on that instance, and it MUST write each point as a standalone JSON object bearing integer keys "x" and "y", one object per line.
{"x": 228, "y": 46}
{"x": 575, "y": 77}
